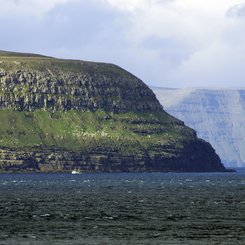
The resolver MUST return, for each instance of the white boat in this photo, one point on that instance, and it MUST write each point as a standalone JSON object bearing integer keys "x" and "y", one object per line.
{"x": 76, "y": 171}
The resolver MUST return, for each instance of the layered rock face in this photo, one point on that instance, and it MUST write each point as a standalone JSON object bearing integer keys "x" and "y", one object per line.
{"x": 218, "y": 115}
{"x": 53, "y": 89}
{"x": 59, "y": 115}
{"x": 190, "y": 158}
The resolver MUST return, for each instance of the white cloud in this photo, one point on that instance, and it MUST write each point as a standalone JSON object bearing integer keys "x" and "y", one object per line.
{"x": 216, "y": 66}
{"x": 237, "y": 10}
{"x": 125, "y": 5}
{"x": 191, "y": 41}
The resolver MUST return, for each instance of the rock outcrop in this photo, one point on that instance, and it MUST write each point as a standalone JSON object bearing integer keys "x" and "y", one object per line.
{"x": 59, "y": 115}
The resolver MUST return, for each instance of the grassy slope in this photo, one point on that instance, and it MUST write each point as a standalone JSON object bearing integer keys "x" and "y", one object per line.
{"x": 81, "y": 131}
{"x": 15, "y": 61}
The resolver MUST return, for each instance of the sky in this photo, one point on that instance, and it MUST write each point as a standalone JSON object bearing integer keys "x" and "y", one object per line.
{"x": 166, "y": 43}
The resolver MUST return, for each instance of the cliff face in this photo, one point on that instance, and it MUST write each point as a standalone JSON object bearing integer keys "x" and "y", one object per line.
{"x": 218, "y": 115}
{"x": 51, "y": 85}
{"x": 58, "y": 115}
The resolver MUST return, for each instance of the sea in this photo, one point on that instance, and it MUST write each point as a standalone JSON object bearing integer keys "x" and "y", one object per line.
{"x": 123, "y": 208}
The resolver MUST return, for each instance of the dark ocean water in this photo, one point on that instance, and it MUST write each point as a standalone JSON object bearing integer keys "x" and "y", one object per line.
{"x": 154, "y": 208}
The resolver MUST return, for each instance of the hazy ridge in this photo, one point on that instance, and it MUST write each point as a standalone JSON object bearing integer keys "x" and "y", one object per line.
{"x": 218, "y": 115}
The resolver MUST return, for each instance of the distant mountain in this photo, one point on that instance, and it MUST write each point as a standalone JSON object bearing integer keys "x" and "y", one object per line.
{"x": 218, "y": 115}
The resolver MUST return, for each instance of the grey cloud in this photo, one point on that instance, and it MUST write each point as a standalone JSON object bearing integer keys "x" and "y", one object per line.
{"x": 16, "y": 2}
{"x": 236, "y": 11}
{"x": 67, "y": 26}
{"x": 170, "y": 49}
{"x": 77, "y": 23}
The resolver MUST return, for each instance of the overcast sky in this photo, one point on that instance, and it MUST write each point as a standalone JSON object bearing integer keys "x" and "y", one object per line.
{"x": 167, "y": 43}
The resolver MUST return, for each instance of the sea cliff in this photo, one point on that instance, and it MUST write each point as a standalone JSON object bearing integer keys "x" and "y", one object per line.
{"x": 57, "y": 115}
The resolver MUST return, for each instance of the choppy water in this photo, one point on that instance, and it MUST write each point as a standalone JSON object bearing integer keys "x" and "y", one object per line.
{"x": 153, "y": 208}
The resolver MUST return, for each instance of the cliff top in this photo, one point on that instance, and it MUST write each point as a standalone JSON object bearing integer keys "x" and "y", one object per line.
{"x": 16, "y": 60}
{"x": 10, "y": 54}
{"x": 29, "y": 82}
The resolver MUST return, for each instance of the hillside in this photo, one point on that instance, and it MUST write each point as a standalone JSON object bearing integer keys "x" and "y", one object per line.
{"x": 218, "y": 115}
{"x": 59, "y": 115}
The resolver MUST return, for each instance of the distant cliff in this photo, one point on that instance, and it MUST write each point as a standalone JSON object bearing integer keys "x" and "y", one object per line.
{"x": 59, "y": 115}
{"x": 218, "y": 115}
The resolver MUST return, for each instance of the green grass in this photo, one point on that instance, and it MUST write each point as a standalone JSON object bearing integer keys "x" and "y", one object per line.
{"x": 17, "y": 54}
{"x": 83, "y": 131}
{"x": 15, "y": 61}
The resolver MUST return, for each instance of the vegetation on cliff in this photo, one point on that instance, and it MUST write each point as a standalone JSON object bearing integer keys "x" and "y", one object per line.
{"x": 63, "y": 114}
